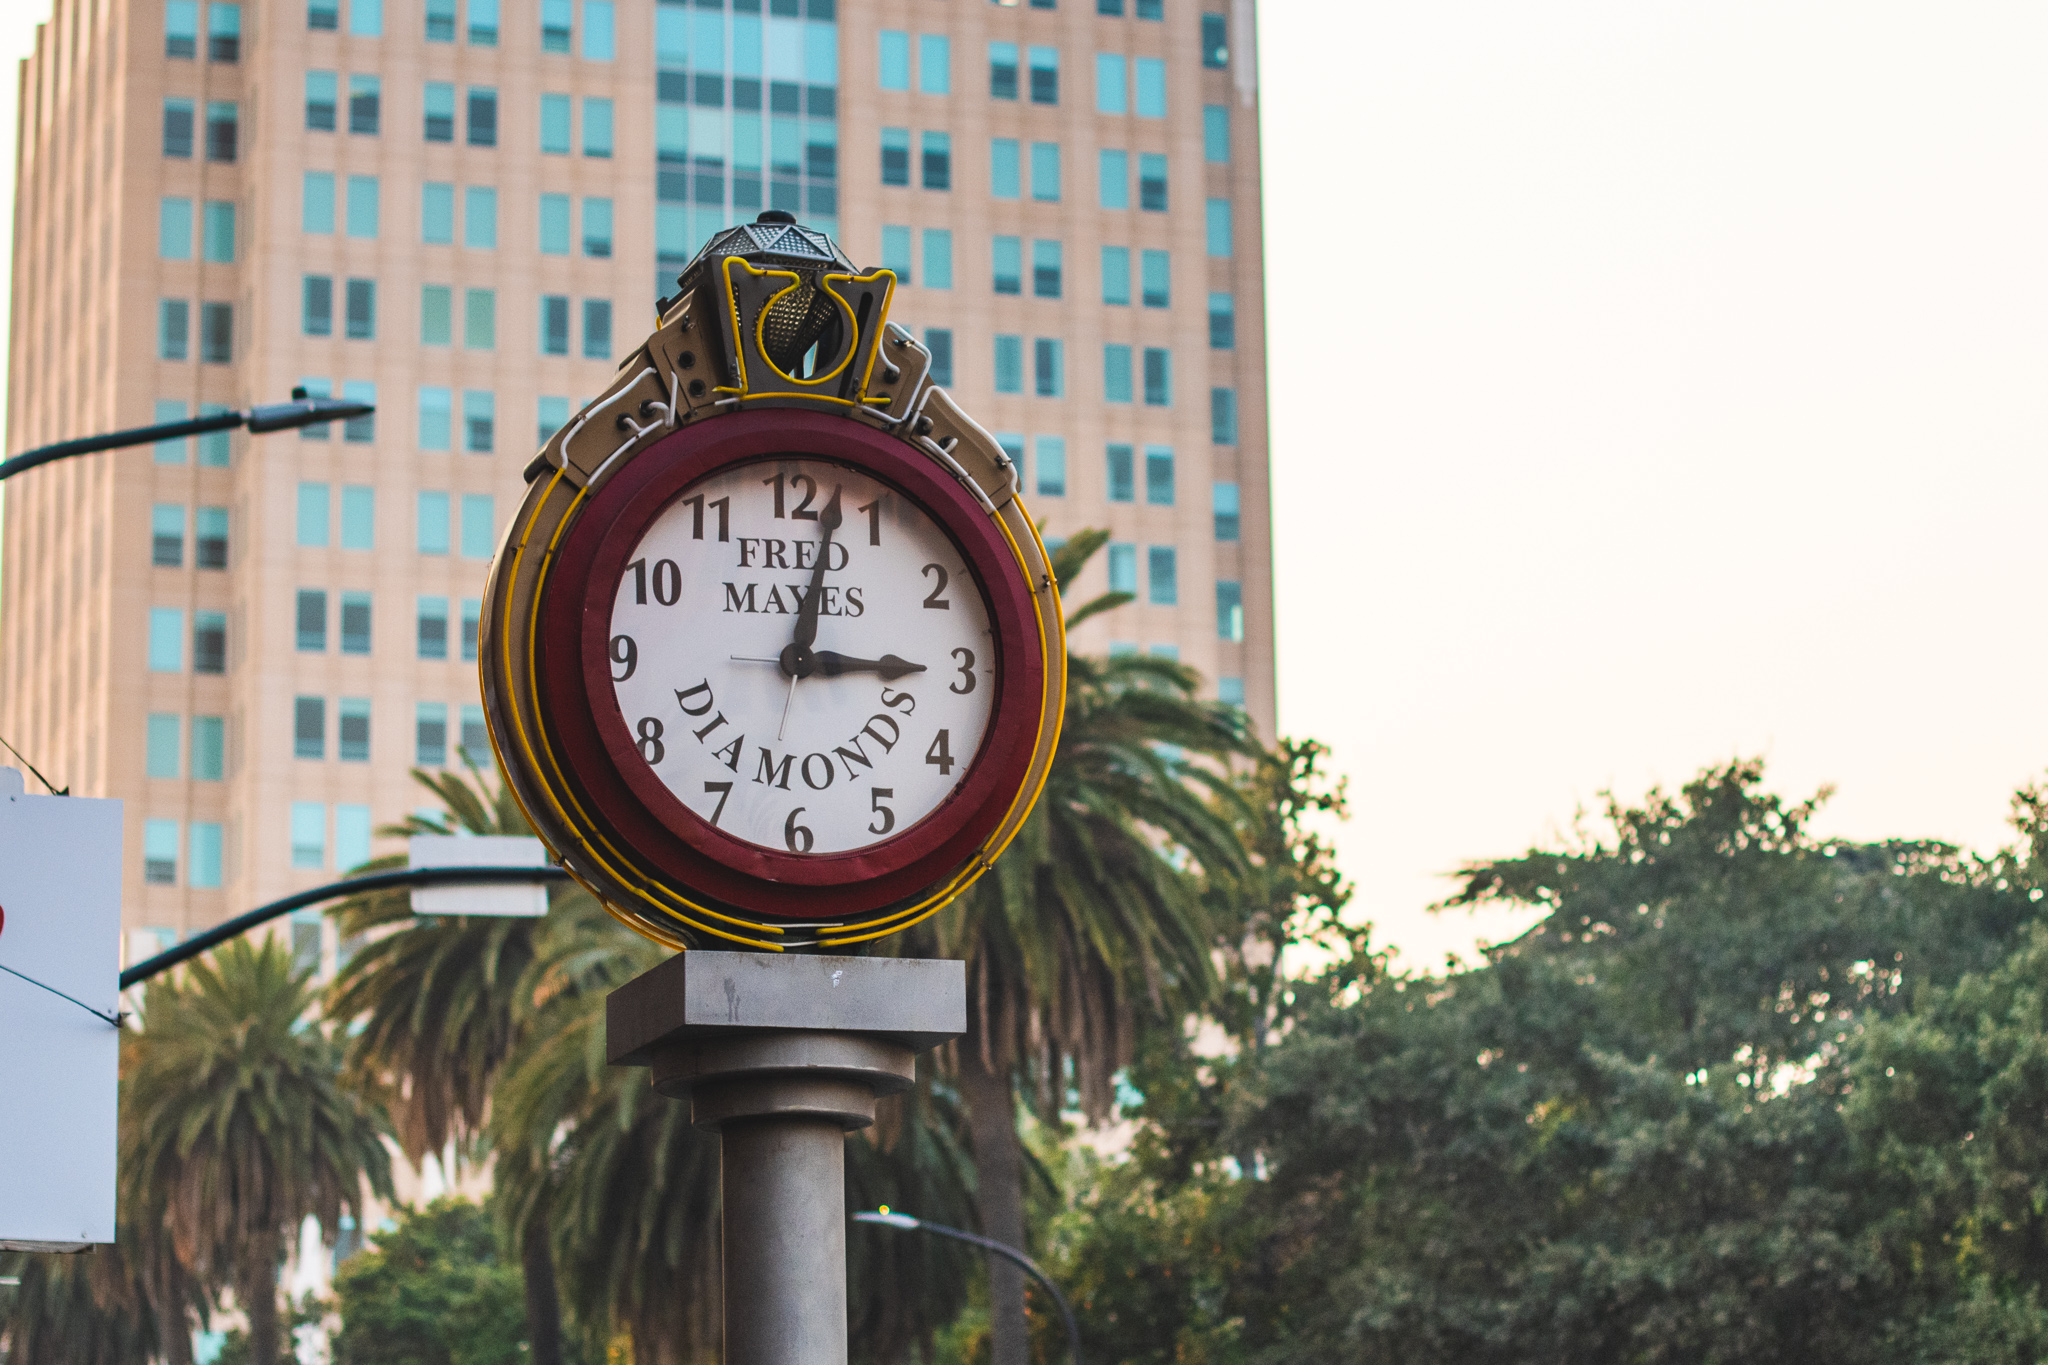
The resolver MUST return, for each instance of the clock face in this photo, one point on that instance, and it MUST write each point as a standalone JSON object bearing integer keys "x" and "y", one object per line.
{"x": 802, "y": 656}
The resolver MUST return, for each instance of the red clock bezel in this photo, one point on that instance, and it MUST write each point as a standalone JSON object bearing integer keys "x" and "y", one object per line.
{"x": 599, "y": 750}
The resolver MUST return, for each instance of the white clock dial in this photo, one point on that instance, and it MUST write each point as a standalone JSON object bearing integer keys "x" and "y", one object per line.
{"x": 825, "y": 744}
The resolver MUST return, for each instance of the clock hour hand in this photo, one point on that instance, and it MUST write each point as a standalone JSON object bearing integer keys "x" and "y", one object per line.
{"x": 888, "y": 666}
{"x": 807, "y": 614}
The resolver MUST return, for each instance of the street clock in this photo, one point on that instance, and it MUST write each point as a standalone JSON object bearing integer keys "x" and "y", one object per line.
{"x": 772, "y": 652}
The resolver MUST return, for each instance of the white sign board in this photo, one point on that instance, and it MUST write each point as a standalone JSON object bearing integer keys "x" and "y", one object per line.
{"x": 478, "y": 850}
{"x": 60, "y": 936}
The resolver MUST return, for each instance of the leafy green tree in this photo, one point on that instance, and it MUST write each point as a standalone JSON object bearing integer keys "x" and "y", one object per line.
{"x": 435, "y": 1291}
{"x": 433, "y": 1012}
{"x": 1097, "y": 913}
{"x": 236, "y": 1126}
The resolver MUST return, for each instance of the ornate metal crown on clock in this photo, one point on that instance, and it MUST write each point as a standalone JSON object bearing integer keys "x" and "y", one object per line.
{"x": 772, "y": 652}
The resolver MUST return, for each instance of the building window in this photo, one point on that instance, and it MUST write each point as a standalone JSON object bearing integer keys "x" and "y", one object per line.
{"x": 1111, "y": 9}
{"x": 1222, "y": 322}
{"x": 1009, "y": 364}
{"x": 160, "y": 754}
{"x": 1048, "y": 368}
{"x": 311, "y": 619}
{"x": 433, "y": 523}
{"x": 1116, "y": 275}
{"x": 1154, "y": 10}
{"x": 1230, "y": 611}
{"x": 440, "y": 21}
{"x": 1003, "y": 169}
{"x": 936, "y": 159}
{"x": 1218, "y": 227}
{"x": 365, "y": 104}
{"x": 436, "y": 417}
{"x": 309, "y": 727}
{"x": 1045, "y": 172}
{"x": 1159, "y": 476}
{"x": 1052, "y": 466}
{"x": 472, "y": 627}
{"x": 173, "y": 329}
{"x": 1156, "y": 272}
{"x": 483, "y": 116}
{"x": 475, "y": 738}
{"x": 479, "y": 421}
{"x": 479, "y": 530}
{"x": 167, "y": 535}
{"x": 1215, "y": 42}
{"x": 938, "y": 258}
{"x": 553, "y": 413}
{"x": 893, "y": 56}
{"x": 439, "y": 110}
{"x": 597, "y": 126}
{"x": 934, "y": 64}
{"x": 597, "y": 329}
{"x": 160, "y": 852}
{"x": 437, "y": 315}
{"x": 939, "y": 341}
{"x": 433, "y": 628}
{"x": 209, "y": 748}
{"x": 1113, "y": 178}
{"x": 359, "y": 430}
{"x": 1223, "y": 416}
{"x": 223, "y": 33}
{"x": 479, "y": 319}
{"x": 430, "y": 734}
{"x": 316, "y": 305}
{"x": 598, "y": 40}
{"x": 554, "y": 225}
{"x": 1158, "y": 377}
{"x": 555, "y": 18}
{"x": 362, "y": 310}
{"x": 554, "y": 123}
{"x": 322, "y": 15}
{"x": 1162, "y": 575}
{"x": 217, "y": 333}
{"x": 316, "y": 204}
{"x": 1007, "y": 265}
{"x": 1116, "y": 373}
{"x": 209, "y": 642}
{"x": 1225, "y": 503}
{"x": 213, "y": 445}
{"x": 170, "y": 451}
{"x": 597, "y": 228}
{"x": 1002, "y": 71}
{"x": 313, "y": 516}
{"x": 480, "y": 217}
{"x": 895, "y": 156}
{"x": 1123, "y": 568}
{"x": 309, "y": 836}
{"x": 178, "y": 129}
{"x": 223, "y": 129}
{"x": 1121, "y": 469}
{"x": 1152, "y": 182}
{"x": 366, "y": 18}
{"x": 166, "y": 640}
{"x": 355, "y": 623}
{"x": 1045, "y": 75}
{"x": 896, "y": 252}
{"x": 1111, "y": 84}
{"x": 1150, "y": 74}
{"x": 174, "y": 229}
{"x": 181, "y": 28}
{"x": 437, "y": 214}
{"x": 1045, "y": 269}
{"x": 352, "y": 836}
{"x": 210, "y": 538}
{"x": 1216, "y": 134}
{"x": 352, "y": 737}
{"x": 554, "y": 324}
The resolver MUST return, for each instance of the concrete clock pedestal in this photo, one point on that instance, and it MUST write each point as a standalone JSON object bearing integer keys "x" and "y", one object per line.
{"x": 784, "y": 1055}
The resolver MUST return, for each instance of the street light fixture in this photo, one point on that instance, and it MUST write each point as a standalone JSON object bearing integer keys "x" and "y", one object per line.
{"x": 887, "y": 1218}
{"x": 301, "y": 411}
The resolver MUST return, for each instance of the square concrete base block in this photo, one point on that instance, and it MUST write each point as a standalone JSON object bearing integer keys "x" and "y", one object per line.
{"x": 784, "y": 1055}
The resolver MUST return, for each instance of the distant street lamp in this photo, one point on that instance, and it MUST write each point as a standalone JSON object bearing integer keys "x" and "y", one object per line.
{"x": 302, "y": 411}
{"x": 886, "y": 1218}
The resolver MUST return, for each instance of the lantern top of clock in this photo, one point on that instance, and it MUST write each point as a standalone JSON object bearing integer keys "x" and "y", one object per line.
{"x": 774, "y": 236}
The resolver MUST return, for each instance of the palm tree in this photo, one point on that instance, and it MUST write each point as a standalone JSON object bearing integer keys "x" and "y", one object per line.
{"x": 236, "y": 1126}
{"x": 1095, "y": 915}
{"x": 84, "y": 1310}
{"x": 433, "y": 1011}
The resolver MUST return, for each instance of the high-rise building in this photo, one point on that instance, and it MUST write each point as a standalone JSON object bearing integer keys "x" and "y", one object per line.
{"x": 464, "y": 210}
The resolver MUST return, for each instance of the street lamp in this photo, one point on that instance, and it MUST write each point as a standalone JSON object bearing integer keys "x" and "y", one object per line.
{"x": 886, "y": 1218}
{"x": 302, "y": 411}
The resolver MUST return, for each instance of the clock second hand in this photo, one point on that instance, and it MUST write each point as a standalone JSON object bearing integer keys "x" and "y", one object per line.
{"x": 786, "y": 700}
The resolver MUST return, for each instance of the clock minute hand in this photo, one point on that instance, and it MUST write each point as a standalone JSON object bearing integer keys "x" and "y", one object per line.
{"x": 807, "y": 615}
{"x": 888, "y": 666}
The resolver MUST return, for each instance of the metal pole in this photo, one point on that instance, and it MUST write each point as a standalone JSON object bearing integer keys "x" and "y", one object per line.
{"x": 885, "y": 1218}
{"x": 300, "y": 412}
{"x": 784, "y": 1232}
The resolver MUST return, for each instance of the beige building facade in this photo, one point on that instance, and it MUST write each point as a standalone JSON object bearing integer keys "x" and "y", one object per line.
{"x": 464, "y": 210}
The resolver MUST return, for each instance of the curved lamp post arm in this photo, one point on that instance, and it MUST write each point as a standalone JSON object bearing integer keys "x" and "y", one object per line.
{"x": 885, "y": 1218}
{"x": 354, "y": 886}
{"x": 300, "y": 412}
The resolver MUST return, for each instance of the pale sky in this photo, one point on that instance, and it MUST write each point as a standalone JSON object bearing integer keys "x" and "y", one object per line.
{"x": 1653, "y": 383}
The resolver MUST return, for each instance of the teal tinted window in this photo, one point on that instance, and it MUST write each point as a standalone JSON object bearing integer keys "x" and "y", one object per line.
{"x": 478, "y": 527}
{"x": 1116, "y": 274}
{"x": 437, "y": 315}
{"x": 1151, "y": 82}
{"x": 1116, "y": 373}
{"x": 174, "y": 229}
{"x": 433, "y": 523}
{"x": 1120, "y": 468}
{"x": 358, "y": 517}
{"x": 1006, "y": 256}
{"x": 1226, "y": 504}
{"x": 209, "y": 748}
{"x": 893, "y": 56}
{"x": 362, "y": 206}
{"x": 166, "y": 640}
{"x": 1003, "y": 169}
{"x": 1216, "y": 134}
{"x": 1052, "y": 466}
{"x": 316, "y": 202}
{"x": 1162, "y": 575}
{"x": 1218, "y": 227}
{"x": 938, "y": 258}
{"x": 934, "y": 64}
{"x": 598, "y": 37}
{"x": 313, "y": 515}
{"x": 160, "y": 752}
{"x": 437, "y": 214}
{"x": 436, "y": 418}
{"x": 1159, "y": 476}
{"x": 554, "y": 224}
{"x": 1009, "y": 364}
{"x": 1045, "y": 172}
{"x": 1111, "y": 84}
{"x": 480, "y": 217}
{"x": 554, "y": 123}
{"x": 597, "y": 126}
